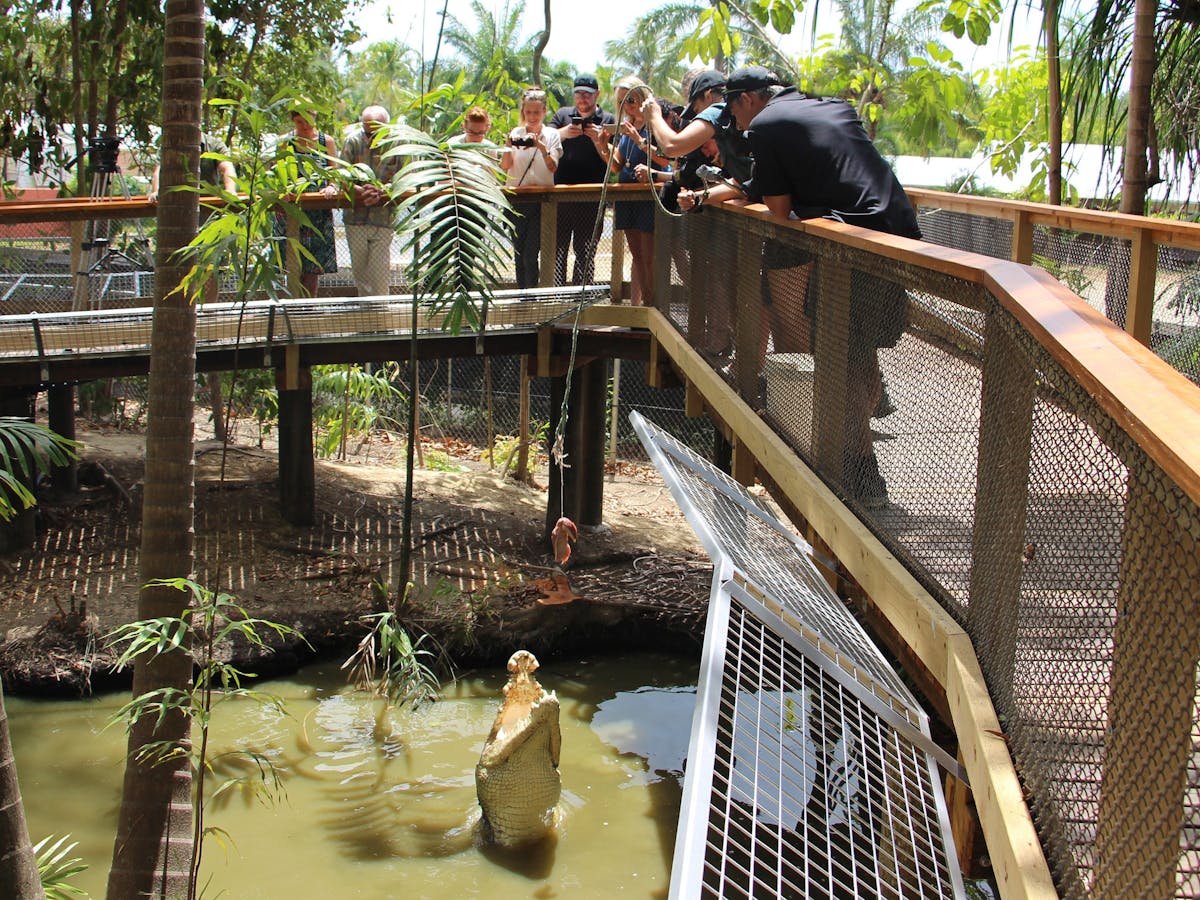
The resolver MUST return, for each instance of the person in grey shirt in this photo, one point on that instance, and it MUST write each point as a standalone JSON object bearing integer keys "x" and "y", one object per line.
{"x": 369, "y": 223}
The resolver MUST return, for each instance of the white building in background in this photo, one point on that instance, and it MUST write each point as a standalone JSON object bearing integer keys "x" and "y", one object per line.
{"x": 1085, "y": 169}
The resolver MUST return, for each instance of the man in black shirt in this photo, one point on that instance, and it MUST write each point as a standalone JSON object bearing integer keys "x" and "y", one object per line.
{"x": 813, "y": 158}
{"x": 581, "y": 128}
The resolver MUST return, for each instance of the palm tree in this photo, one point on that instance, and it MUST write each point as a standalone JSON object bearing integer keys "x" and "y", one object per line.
{"x": 22, "y": 443}
{"x": 747, "y": 39}
{"x": 495, "y": 51}
{"x": 450, "y": 210}
{"x": 650, "y": 54}
{"x": 153, "y": 848}
{"x": 18, "y": 865}
{"x": 1130, "y": 78}
{"x": 385, "y": 73}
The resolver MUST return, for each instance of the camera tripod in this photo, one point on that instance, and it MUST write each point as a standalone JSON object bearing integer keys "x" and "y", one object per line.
{"x": 99, "y": 255}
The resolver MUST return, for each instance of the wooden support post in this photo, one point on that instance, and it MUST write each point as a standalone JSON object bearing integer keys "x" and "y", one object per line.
{"x": 1022, "y": 238}
{"x": 960, "y": 805}
{"x": 1002, "y": 497}
{"x": 1143, "y": 270}
{"x": 831, "y": 376}
{"x": 750, "y": 314}
{"x": 549, "y": 244}
{"x": 61, "y": 401}
{"x": 693, "y": 401}
{"x": 697, "y": 287}
{"x": 292, "y": 256}
{"x": 297, "y": 475}
{"x": 722, "y": 456}
{"x": 1145, "y": 791}
{"x": 79, "y": 293}
{"x": 593, "y": 397}
{"x": 617, "y": 276}
{"x": 664, "y": 245}
{"x": 545, "y": 343}
{"x": 653, "y": 371}
{"x": 743, "y": 465}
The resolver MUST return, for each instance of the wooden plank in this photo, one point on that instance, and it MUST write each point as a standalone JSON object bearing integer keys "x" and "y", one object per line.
{"x": 1018, "y": 863}
{"x": 1143, "y": 270}
{"x": 1175, "y": 232}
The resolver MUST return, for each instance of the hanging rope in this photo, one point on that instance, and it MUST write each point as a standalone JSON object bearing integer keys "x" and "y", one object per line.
{"x": 557, "y": 450}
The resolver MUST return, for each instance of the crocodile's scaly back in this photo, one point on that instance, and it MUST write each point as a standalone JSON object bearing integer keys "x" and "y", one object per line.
{"x": 517, "y": 778}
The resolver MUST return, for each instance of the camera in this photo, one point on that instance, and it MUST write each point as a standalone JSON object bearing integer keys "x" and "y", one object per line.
{"x": 526, "y": 141}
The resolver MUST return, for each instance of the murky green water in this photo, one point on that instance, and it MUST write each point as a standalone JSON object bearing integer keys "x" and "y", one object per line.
{"x": 384, "y": 809}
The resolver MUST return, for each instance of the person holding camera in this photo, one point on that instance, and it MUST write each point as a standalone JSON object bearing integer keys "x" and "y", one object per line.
{"x": 582, "y": 130}
{"x": 634, "y": 162}
{"x": 532, "y": 158}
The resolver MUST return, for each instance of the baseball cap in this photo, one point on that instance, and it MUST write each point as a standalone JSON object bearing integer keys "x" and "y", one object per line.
{"x": 749, "y": 78}
{"x": 587, "y": 83}
{"x": 705, "y": 81}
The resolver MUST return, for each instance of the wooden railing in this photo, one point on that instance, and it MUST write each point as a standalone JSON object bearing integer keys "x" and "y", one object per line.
{"x": 1145, "y": 238}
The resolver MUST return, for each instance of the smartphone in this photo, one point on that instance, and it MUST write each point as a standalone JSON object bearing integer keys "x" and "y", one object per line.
{"x": 578, "y": 120}
{"x": 611, "y": 128}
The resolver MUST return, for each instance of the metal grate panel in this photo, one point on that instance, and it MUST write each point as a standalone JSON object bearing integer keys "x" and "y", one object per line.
{"x": 811, "y": 772}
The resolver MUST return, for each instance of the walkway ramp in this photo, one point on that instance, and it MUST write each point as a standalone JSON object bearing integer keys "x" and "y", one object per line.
{"x": 811, "y": 772}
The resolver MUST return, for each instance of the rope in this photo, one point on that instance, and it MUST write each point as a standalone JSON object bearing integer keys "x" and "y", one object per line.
{"x": 557, "y": 451}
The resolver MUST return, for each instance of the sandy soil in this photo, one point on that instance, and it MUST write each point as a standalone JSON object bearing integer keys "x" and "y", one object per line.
{"x": 479, "y": 555}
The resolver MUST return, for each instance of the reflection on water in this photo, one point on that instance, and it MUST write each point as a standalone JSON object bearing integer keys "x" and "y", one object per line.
{"x": 382, "y": 805}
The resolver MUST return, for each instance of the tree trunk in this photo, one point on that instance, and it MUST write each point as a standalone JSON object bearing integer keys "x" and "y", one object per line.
{"x": 153, "y": 848}
{"x": 1141, "y": 75}
{"x": 536, "y": 75}
{"x": 18, "y": 867}
{"x": 1055, "y": 115}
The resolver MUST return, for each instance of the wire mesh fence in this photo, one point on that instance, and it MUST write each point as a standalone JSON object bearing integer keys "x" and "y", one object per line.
{"x": 1014, "y": 498}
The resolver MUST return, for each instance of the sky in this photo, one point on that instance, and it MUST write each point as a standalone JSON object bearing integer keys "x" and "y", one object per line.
{"x": 579, "y": 29}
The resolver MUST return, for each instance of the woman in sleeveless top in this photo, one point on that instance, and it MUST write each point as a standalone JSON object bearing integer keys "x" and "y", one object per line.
{"x": 636, "y": 218}
{"x": 309, "y": 144}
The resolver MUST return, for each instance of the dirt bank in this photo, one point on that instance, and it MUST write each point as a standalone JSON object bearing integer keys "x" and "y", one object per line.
{"x": 642, "y": 581}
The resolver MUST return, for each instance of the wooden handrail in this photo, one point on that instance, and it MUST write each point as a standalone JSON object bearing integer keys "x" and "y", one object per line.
{"x": 81, "y": 209}
{"x": 1172, "y": 232}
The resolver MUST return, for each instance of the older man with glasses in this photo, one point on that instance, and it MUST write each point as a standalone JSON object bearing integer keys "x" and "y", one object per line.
{"x": 369, "y": 223}
{"x": 581, "y": 128}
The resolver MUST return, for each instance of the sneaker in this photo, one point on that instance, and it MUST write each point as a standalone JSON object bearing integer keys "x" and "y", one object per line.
{"x": 864, "y": 482}
{"x": 885, "y": 407}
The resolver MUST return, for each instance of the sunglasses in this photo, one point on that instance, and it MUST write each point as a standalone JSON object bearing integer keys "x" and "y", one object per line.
{"x": 632, "y": 101}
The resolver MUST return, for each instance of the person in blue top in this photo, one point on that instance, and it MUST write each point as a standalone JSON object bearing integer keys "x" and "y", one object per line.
{"x": 629, "y": 159}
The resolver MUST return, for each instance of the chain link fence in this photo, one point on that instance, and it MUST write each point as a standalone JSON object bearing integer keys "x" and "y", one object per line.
{"x": 1016, "y": 500}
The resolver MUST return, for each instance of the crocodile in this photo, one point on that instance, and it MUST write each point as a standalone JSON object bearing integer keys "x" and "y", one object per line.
{"x": 517, "y": 779}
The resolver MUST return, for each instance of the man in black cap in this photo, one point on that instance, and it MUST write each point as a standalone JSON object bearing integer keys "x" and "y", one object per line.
{"x": 704, "y": 118}
{"x": 581, "y": 128}
{"x": 812, "y": 157}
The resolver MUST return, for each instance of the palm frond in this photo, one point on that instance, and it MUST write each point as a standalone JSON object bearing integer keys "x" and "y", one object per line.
{"x": 453, "y": 220}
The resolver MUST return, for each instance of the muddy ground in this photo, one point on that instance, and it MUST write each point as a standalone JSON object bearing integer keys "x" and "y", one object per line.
{"x": 480, "y": 557}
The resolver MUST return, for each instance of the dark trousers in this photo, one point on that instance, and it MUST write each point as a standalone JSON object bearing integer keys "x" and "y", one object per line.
{"x": 577, "y": 229}
{"x": 527, "y": 239}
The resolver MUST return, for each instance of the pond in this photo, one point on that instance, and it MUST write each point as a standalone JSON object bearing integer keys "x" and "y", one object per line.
{"x": 377, "y": 808}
